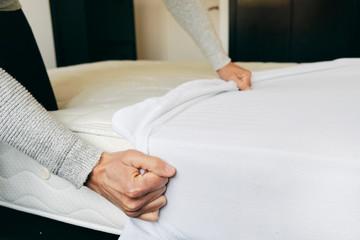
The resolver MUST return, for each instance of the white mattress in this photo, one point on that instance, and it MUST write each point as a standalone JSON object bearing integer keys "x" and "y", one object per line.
{"x": 88, "y": 95}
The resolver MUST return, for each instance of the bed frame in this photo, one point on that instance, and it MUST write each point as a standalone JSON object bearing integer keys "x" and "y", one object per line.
{"x": 16, "y": 225}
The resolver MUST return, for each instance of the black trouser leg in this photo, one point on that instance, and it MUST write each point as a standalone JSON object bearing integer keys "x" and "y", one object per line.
{"x": 20, "y": 57}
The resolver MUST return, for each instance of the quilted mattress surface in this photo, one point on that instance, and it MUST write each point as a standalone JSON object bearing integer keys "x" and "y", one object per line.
{"x": 88, "y": 95}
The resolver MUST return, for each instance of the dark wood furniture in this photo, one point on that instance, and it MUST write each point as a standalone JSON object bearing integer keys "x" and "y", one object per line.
{"x": 294, "y": 30}
{"x": 90, "y": 30}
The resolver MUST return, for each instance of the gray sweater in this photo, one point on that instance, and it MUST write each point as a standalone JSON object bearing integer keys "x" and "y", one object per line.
{"x": 9, "y": 5}
{"x": 27, "y": 126}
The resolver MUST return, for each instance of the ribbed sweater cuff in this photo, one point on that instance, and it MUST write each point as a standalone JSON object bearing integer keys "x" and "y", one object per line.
{"x": 219, "y": 61}
{"x": 27, "y": 126}
{"x": 79, "y": 163}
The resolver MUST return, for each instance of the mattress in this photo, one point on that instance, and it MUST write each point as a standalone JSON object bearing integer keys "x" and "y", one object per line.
{"x": 279, "y": 162}
{"x": 87, "y": 96}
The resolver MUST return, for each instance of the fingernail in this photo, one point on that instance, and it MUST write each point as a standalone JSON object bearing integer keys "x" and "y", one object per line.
{"x": 170, "y": 169}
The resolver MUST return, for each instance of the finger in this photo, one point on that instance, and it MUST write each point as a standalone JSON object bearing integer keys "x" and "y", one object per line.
{"x": 245, "y": 76}
{"x": 133, "y": 205}
{"x": 141, "y": 185}
{"x": 154, "y": 195}
{"x": 151, "y": 164}
{"x": 151, "y": 207}
{"x": 150, "y": 182}
{"x": 154, "y": 205}
{"x": 247, "y": 79}
{"x": 241, "y": 84}
{"x": 245, "y": 85}
{"x": 150, "y": 217}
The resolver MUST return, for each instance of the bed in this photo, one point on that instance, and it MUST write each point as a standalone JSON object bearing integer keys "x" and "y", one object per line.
{"x": 88, "y": 95}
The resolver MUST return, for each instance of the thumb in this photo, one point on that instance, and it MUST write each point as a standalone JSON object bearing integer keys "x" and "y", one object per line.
{"x": 153, "y": 164}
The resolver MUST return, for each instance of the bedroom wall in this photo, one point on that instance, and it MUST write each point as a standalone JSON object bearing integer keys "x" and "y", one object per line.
{"x": 159, "y": 37}
{"x": 38, "y": 14}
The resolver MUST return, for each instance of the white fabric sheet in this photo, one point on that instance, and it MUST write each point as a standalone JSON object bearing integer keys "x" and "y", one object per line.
{"x": 281, "y": 161}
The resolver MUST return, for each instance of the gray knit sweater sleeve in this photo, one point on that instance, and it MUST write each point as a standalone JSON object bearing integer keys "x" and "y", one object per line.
{"x": 27, "y": 126}
{"x": 9, "y": 5}
{"x": 193, "y": 17}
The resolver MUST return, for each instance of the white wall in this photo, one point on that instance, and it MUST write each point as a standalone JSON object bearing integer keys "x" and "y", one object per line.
{"x": 37, "y": 13}
{"x": 159, "y": 36}
{"x": 224, "y": 26}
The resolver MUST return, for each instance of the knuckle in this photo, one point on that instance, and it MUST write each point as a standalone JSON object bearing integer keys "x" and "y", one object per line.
{"x": 246, "y": 74}
{"x": 132, "y": 206}
{"x": 132, "y": 192}
{"x": 163, "y": 189}
{"x": 161, "y": 202}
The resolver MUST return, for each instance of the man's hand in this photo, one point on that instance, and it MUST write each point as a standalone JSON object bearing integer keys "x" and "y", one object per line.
{"x": 117, "y": 178}
{"x": 233, "y": 72}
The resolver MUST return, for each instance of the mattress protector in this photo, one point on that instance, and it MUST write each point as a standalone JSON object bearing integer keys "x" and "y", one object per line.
{"x": 279, "y": 162}
{"x": 87, "y": 96}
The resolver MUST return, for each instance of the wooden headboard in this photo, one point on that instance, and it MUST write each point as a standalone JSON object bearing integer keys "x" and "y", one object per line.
{"x": 294, "y": 30}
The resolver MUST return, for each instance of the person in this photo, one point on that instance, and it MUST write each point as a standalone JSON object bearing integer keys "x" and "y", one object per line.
{"x": 26, "y": 94}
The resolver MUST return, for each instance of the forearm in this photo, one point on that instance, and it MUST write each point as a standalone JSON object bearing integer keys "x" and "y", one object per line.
{"x": 192, "y": 16}
{"x": 27, "y": 126}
